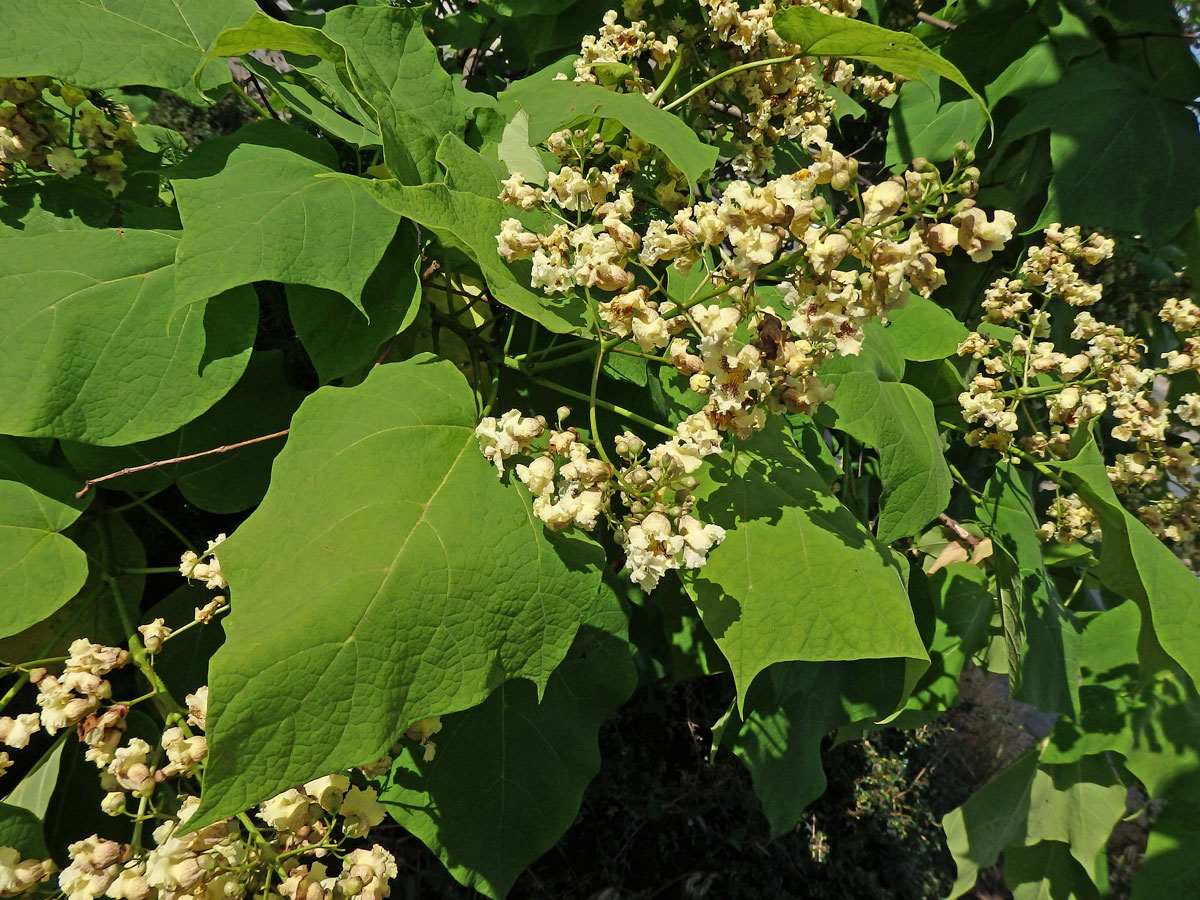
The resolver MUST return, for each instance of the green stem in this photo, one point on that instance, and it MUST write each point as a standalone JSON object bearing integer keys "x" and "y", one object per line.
{"x": 152, "y": 570}
{"x": 139, "y": 822}
{"x": 166, "y": 523}
{"x": 262, "y": 113}
{"x": 669, "y": 79}
{"x": 603, "y": 404}
{"x": 759, "y": 63}
{"x": 33, "y": 664}
{"x": 166, "y": 704}
{"x": 113, "y": 510}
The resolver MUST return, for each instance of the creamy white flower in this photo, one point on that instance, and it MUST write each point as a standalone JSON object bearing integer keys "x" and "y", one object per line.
{"x": 129, "y": 767}
{"x": 197, "y": 705}
{"x": 19, "y": 875}
{"x": 698, "y": 539}
{"x": 361, "y": 811}
{"x": 155, "y": 633}
{"x": 16, "y": 732}
{"x": 61, "y": 708}
{"x": 981, "y": 238}
{"x": 286, "y": 812}
{"x": 881, "y": 201}
{"x": 374, "y": 868}
{"x": 328, "y": 791}
{"x": 538, "y": 476}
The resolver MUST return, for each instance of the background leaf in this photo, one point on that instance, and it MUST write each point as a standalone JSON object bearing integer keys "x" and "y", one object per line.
{"x": 552, "y": 105}
{"x": 425, "y": 583}
{"x": 994, "y": 817}
{"x": 22, "y": 830}
{"x": 898, "y": 52}
{"x": 91, "y": 351}
{"x": 469, "y": 222}
{"x": 262, "y": 402}
{"x": 1099, "y": 119}
{"x": 239, "y": 227}
{"x": 119, "y": 42}
{"x": 1041, "y": 635}
{"x": 788, "y": 715}
{"x": 337, "y": 337}
{"x": 1135, "y": 564}
{"x": 399, "y": 73}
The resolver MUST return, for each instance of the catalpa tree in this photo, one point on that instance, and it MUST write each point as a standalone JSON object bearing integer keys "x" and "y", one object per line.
{"x": 340, "y": 451}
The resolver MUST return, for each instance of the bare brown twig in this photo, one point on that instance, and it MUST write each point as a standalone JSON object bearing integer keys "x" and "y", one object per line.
{"x": 958, "y": 530}
{"x": 87, "y": 485}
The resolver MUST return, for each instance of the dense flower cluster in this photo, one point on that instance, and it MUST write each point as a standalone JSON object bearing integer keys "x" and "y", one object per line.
{"x": 298, "y": 850}
{"x": 1035, "y": 392}
{"x": 51, "y": 127}
{"x": 785, "y": 286}
{"x": 760, "y": 106}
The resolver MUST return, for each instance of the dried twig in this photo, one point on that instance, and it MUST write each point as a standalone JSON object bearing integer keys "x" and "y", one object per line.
{"x": 958, "y": 530}
{"x": 936, "y": 22}
{"x": 87, "y": 485}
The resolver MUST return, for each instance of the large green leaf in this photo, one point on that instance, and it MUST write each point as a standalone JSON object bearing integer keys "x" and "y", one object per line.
{"x": 1078, "y": 804}
{"x": 399, "y": 73}
{"x": 774, "y": 590}
{"x": 1135, "y": 564}
{"x": 33, "y": 793}
{"x": 552, "y": 105}
{"x": 119, "y": 42}
{"x": 336, "y": 336}
{"x": 305, "y": 99}
{"x": 387, "y": 576}
{"x": 509, "y": 775}
{"x": 1046, "y": 871}
{"x": 1169, "y": 866}
{"x": 299, "y": 226}
{"x": 821, "y": 34}
{"x": 1100, "y": 118}
{"x": 788, "y": 714}
{"x": 1111, "y": 691}
{"x": 1041, "y": 636}
{"x": 262, "y": 32}
{"x": 872, "y": 406}
{"x": 470, "y": 223}
{"x": 995, "y": 816}
{"x": 90, "y": 350}
{"x": 1029, "y": 806}
{"x": 261, "y": 403}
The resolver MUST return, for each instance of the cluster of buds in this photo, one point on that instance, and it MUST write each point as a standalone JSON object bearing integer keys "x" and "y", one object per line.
{"x": 48, "y": 126}
{"x": 72, "y": 698}
{"x": 653, "y": 518}
{"x": 764, "y": 104}
{"x": 1101, "y": 377}
{"x": 204, "y": 566}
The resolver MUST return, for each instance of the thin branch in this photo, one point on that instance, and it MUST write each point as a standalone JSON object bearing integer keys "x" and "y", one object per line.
{"x": 87, "y": 485}
{"x": 958, "y": 530}
{"x": 936, "y": 22}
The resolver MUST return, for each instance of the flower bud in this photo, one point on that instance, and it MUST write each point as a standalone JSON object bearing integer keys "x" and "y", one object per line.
{"x": 113, "y": 803}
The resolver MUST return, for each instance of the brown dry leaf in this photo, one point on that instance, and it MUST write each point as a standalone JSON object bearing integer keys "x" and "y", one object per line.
{"x": 953, "y": 553}
{"x": 981, "y": 551}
